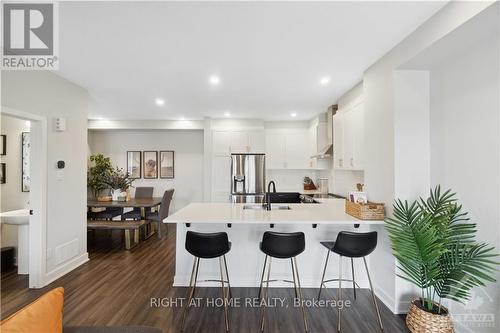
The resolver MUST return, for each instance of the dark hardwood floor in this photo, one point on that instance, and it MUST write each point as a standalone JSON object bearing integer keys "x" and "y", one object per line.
{"x": 116, "y": 286}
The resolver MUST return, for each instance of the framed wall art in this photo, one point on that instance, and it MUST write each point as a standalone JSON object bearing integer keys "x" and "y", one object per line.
{"x": 167, "y": 164}
{"x": 150, "y": 168}
{"x": 2, "y": 173}
{"x": 25, "y": 162}
{"x": 134, "y": 164}
{"x": 3, "y": 144}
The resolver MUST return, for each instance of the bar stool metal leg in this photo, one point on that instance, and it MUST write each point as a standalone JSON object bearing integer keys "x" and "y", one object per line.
{"x": 353, "y": 281}
{"x": 340, "y": 292}
{"x": 324, "y": 272}
{"x": 294, "y": 283}
{"x": 224, "y": 299}
{"x": 266, "y": 294}
{"x": 373, "y": 295}
{"x": 262, "y": 277}
{"x": 192, "y": 287}
{"x": 227, "y": 275}
{"x": 294, "y": 261}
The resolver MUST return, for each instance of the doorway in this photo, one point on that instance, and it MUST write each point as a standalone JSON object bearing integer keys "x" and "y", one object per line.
{"x": 37, "y": 195}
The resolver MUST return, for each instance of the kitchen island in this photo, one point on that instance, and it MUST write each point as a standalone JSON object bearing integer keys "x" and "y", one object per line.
{"x": 245, "y": 224}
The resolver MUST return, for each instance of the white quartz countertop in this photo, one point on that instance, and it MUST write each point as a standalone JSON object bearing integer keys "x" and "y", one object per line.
{"x": 328, "y": 211}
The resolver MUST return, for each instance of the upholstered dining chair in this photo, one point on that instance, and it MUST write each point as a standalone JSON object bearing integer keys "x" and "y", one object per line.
{"x": 162, "y": 213}
{"x": 140, "y": 192}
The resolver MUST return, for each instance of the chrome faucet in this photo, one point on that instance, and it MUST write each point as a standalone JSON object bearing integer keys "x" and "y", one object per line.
{"x": 268, "y": 197}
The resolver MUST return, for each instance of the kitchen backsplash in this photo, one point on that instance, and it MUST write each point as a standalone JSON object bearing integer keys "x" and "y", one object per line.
{"x": 291, "y": 180}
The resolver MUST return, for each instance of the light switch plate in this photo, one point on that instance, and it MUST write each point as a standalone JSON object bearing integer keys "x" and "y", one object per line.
{"x": 59, "y": 124}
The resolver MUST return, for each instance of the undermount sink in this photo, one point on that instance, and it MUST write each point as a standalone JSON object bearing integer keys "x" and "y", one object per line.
{"x": 16, "y": 217}
{"x": 262, "y": 207}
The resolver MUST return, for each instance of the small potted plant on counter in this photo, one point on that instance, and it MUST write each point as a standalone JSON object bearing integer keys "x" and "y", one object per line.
{"x": 98, "y": 177}
{"x": 120, "y": 182}
{"x": 436, "y": 250}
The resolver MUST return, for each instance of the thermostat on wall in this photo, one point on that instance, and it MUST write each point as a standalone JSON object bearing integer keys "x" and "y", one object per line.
{"x": 60, "y": 124}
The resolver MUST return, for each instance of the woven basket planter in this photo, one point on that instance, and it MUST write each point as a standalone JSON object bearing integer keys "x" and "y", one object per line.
{"x": 421, "y": 321}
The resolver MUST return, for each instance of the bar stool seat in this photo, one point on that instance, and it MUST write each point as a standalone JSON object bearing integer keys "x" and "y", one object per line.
{"x": 351, "y": 245}
{"x": 208, "y": 246}
{"x": 282, "y": 246}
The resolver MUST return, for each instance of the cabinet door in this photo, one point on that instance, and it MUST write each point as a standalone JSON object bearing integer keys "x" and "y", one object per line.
{"x": 221, "y": 142}
{"x": 257, "y": 141}
{"x": 349, "y": 124}
{"x": 239, "y": 142}
{"x": 358, "y": 133}
{"x": 221, "y": 174}
{"x": 338, "y": 140}
{"x": 275, "y": 151}
{"x": 297, "y": 150}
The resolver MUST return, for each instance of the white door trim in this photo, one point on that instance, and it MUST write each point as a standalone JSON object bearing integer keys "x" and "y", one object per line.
{"x": 38, "y": 196}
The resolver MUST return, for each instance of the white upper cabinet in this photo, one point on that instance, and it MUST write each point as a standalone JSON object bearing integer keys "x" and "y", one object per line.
{"x": 288, "y": 149}
{"x": 338, "y": 138}
{"x": 221, "y": 142}
{"x": 275, "y": 151}
{"x": 348, "y": 132}
{"x": 257, "y": 141}
{"x": 237, "y": 141}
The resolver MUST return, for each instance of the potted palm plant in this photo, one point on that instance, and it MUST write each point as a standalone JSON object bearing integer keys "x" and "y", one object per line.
{"x": 119, "y": 181}
{"x": 435, "y": 245}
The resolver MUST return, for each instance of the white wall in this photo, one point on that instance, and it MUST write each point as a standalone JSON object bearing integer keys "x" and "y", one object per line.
{"x": 188, "y": 147}
{"x": 465, "y": 145}
{"x": 12, "y": 197}
{"x": 46, "y": 94}
{"x": 380, "y": 164}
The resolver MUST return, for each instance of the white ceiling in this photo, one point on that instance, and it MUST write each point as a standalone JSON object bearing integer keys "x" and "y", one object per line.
{"x": 270, "y": 57}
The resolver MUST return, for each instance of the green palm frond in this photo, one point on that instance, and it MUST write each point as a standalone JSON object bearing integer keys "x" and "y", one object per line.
{"x": 465, "y": 266}
{"x": 434, "y": 243}
{"x": 415, "y": 244}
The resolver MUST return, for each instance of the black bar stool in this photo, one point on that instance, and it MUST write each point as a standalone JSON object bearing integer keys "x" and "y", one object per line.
{"x": 282, "y": 246}
{"x": 351, "y": 245}
{"x": 208, "y": 246}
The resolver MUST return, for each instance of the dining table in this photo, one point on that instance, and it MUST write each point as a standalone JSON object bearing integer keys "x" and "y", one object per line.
{"x": 141, "y": 203}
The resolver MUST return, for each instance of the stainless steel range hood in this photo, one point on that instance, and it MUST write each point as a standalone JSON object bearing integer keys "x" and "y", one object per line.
{"x": 325, "y": 150}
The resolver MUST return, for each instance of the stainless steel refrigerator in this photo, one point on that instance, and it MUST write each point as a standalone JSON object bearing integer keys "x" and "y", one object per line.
{"x": 248, "y": 177}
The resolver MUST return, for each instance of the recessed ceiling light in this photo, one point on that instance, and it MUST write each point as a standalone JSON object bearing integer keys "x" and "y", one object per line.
{"x": 324, "y": 81}
{"x": 214, "y": 80}
{"x": 293, "y": 114}
{"x": 227, "y": 114}
{"x": 159, "y": 101}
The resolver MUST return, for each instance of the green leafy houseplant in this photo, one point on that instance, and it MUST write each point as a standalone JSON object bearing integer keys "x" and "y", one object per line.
{"x": 99, "y": 173}
{"x": 436, "y": 249}
{"x": 119, "y": 180}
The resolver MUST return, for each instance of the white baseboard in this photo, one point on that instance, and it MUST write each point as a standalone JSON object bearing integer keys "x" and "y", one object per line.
{"x": 66, "y": 268}
{"x": 385, "y": 298}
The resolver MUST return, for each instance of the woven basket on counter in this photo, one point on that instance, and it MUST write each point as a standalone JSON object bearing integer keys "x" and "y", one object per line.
{"x": 421, "y": 321}
{"x": 367, "y": 211}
